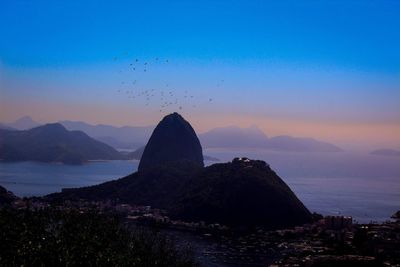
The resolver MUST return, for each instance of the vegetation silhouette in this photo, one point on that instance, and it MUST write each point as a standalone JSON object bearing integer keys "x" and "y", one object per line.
{"x": 52, "y": 237}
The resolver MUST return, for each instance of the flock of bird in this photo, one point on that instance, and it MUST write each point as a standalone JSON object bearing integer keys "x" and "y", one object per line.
{"x": 164, "y": 97}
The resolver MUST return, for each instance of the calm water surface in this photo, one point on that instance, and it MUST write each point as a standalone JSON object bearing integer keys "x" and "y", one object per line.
{"x": 38, "y": 179}
{"x": 364, "y": 186}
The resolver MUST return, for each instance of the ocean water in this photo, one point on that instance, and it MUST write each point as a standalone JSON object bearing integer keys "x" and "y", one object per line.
{"x": 360, "y": 185}
{"x": 38, "y": 179}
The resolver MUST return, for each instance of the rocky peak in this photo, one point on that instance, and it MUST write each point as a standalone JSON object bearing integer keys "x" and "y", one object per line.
{"x": 172, "y": 140}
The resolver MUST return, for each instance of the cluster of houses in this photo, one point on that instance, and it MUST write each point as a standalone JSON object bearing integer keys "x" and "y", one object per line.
{"x": 307, "y": 245}
{"x": 335, "y": 240}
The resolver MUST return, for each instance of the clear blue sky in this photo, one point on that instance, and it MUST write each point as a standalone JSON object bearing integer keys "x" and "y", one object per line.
{"x": 330, "y": 61}
{"x": 353, "y": 34}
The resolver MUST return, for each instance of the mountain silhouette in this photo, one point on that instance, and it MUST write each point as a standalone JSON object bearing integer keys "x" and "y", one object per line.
{"x": 128, "y": 137}
{"x": 233, "y": 137}
{"x": 4, "y": 126}
{"x": 238, "y": 193}
{"x": 253, "y": 137}
{"x": 242, "y": 192}
{"x": 300, "y": 144}
{"x": 171, "y": 176}
{"x": 172, "y": 140}
{"x": 23, "y": 123}
{"x": 134, "y": 137}
{"x": 53, "y": 143}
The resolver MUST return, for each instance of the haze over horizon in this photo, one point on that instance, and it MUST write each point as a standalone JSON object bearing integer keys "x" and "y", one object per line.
{"x": 327, "y": 70}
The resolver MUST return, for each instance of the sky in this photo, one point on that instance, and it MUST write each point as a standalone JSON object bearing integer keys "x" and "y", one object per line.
{"x": 323, "y": 69}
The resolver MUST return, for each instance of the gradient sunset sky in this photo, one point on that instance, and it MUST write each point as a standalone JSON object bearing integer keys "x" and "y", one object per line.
{"x": 323, "y": 69}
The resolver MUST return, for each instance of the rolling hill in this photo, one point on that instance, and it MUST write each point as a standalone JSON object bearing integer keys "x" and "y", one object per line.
{"x": 53, "y": 143}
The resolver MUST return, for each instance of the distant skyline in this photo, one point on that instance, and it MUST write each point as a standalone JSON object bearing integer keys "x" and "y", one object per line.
{"x": 323, "y": 69}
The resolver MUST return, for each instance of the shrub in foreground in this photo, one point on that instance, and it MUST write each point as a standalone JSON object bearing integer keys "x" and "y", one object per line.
{"x": 69, "y": 238}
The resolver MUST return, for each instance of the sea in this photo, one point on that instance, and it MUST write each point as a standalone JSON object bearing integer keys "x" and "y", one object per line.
{"x": 356, "y": 184}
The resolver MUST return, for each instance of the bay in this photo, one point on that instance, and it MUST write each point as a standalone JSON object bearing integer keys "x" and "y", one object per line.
{"x": 364, "y": 186}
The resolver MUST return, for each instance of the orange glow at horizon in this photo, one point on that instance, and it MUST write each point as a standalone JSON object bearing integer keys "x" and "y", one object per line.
{"x": 346, "y": 134}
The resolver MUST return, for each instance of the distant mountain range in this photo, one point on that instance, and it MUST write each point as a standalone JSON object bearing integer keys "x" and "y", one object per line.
{"x": 253, "y": 137}
{"x": 53, "y": 143}
{"x": 233, "y": 136}
{"x": 23, "y": 123}
{"x": 126, "y": 137}
{"x": 5, "y": 127}
{"x": 129, "y": 137}
{"x": 386, "y": 152}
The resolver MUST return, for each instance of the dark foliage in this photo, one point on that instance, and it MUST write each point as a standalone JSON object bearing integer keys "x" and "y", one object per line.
{"x": 6, "y": 197}
{"x": 70, "y": 238}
